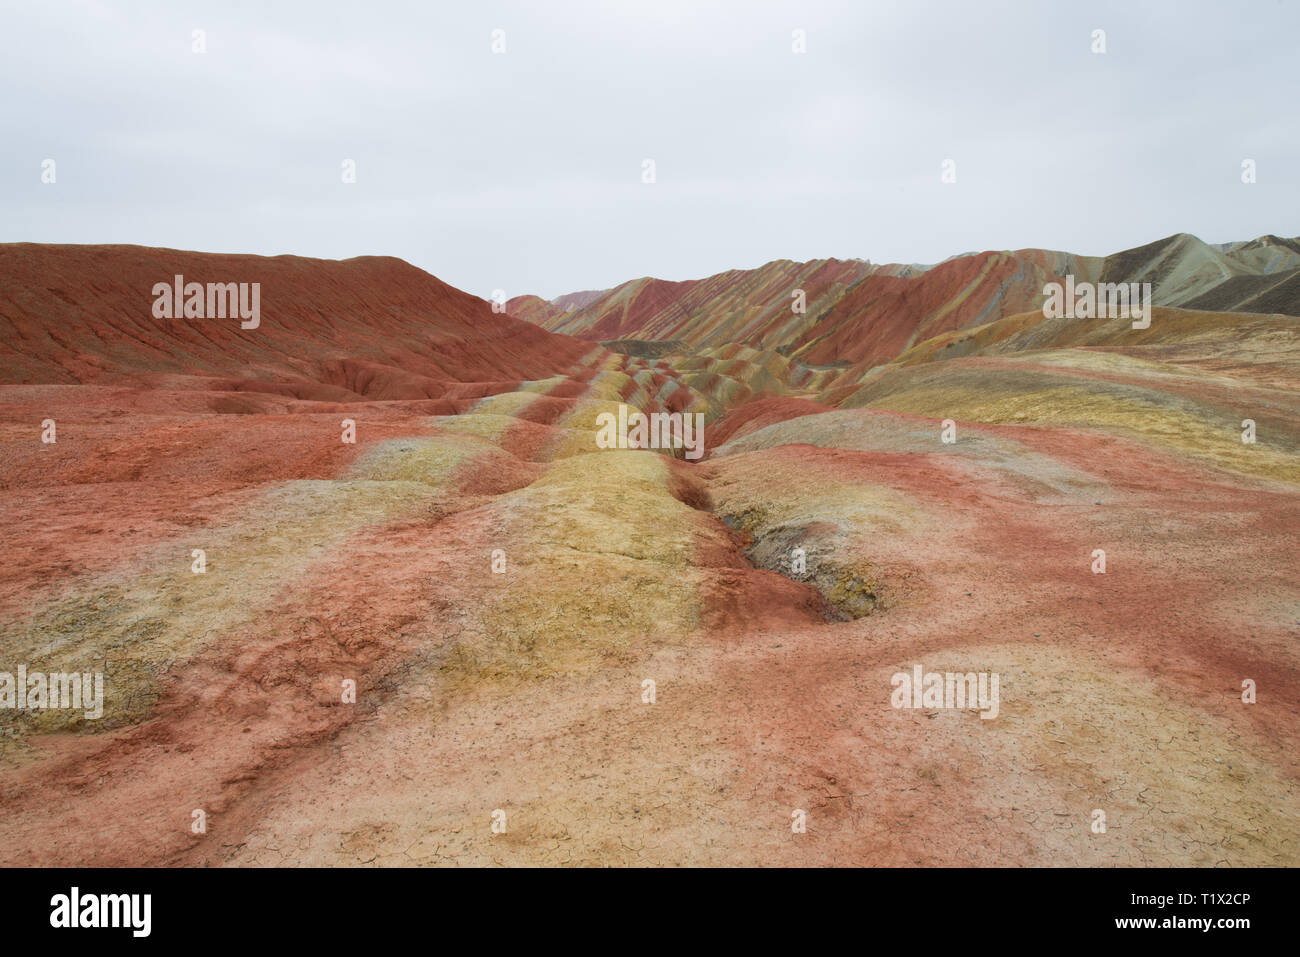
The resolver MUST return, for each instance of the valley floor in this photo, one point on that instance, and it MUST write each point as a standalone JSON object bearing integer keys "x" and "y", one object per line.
{"x": 521, "y": 689}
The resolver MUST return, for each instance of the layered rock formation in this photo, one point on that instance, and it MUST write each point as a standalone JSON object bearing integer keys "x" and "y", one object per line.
{"x": 637, "y": 658}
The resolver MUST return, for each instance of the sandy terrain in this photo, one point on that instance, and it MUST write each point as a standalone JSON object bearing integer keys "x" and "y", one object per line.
{"x": 520, "y": 689}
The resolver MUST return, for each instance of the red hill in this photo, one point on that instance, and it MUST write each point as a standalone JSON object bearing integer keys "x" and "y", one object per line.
{"x": 373, "y": 327}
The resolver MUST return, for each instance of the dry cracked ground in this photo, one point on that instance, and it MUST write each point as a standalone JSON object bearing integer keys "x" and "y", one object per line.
{"x": 499, "y": 589}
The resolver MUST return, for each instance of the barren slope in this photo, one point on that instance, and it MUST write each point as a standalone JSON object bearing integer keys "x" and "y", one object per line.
{"x": 500, "y": 589}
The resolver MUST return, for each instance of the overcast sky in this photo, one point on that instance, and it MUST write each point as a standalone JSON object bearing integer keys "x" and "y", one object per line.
{"x": 523, "y": 170}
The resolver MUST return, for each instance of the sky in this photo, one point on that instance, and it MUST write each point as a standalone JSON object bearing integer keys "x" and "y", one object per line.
{"x": 522, "y": 168}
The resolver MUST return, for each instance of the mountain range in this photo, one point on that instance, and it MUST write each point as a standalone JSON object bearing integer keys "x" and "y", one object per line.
{"x": 362, "y": 584}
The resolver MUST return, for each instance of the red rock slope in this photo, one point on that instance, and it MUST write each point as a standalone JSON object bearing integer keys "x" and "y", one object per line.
{"x": 371, "y": 327}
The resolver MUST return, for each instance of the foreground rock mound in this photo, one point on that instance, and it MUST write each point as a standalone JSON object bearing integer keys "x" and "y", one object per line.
{"x": 367, "y": 645}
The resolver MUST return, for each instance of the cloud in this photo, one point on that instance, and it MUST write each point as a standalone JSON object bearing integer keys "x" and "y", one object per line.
{"x": 522, "y": 170}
